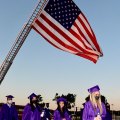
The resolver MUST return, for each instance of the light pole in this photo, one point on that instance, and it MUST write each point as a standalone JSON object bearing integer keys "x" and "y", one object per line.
{"x": 112, "y": 112}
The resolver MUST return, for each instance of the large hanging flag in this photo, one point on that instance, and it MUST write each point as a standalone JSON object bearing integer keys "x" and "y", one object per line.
{"x": 64, "y": 26}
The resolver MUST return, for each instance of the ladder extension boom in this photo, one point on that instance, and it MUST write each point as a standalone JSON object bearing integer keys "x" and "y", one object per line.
{"x": 20, "y": 40}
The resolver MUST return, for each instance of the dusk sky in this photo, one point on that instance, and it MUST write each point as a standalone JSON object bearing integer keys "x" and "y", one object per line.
{"x": 43, "y": 69}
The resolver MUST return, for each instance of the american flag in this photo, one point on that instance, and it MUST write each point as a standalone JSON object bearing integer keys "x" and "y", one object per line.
{"x": 64, "y": 26}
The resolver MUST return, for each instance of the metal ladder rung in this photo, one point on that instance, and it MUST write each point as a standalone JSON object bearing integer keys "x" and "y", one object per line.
{"x": 20, "y": 40}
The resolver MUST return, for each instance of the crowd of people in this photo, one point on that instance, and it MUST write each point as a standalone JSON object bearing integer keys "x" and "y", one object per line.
{"x": 94, "y": 109}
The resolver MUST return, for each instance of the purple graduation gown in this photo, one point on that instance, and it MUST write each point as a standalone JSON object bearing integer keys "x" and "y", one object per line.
{"x": 28, "y": 114}
{"x": 89, "y": 113}
{"x": 108, "y": 116}
{"x": 8, "y": 113}
{"x": 57, "y": 115}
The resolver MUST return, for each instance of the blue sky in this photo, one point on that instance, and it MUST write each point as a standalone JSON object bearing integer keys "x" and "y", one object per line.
{"x": 45, "y": 70}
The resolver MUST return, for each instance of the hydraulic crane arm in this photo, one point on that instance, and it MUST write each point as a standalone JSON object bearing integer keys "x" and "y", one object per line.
{"x": 20, "y": 40}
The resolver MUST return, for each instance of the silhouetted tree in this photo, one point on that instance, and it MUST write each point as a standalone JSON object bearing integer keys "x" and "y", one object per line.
{"x": 40, "y": 101}
{"x": 103, "y": 99}
{"x": 69, "y": 97}
{"x": 40, "y": 98}
{"x": 42, "y": 105}
{"x": 56, "y": 97}
{"x": 87, "y": 98}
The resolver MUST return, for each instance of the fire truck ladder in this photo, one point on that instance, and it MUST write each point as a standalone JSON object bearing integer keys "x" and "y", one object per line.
{"x": 20, "y": 40}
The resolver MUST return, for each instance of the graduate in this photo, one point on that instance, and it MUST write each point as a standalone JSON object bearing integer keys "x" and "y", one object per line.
{"x": 108, "y": 115}
{"x": 61, "y": 113}
{"x": 32, "y": 110}
{"x": 94, "y": 109}
{"x": 8, "y": 110}
{"x": 45, "y": 115}
{"x": 47, "y": 111}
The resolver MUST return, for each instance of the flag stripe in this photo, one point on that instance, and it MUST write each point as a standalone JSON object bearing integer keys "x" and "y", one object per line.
{"x": 82, "y": 17}
{"x": 89, "y": 57}
{"x": 77, "y": 32}
{"x": 90, "y": 36}
{"x": 53, "y": 39}
{"x": 36, "y": 28}
{"x": 47, "y": 28}
{"x": 46, "y": 36}
{"x": 54, "y": 32}
{"x": 86, "y": 21}
{"x": 60, "y": 29}
{"x": 76, "y": 42}
{"x": 80, "y": 37}
{"x": 84, "y": 33}
{"x": 67, "y": 29}
{"x": 42, "y": 19}
{"x": 93, "y": 40}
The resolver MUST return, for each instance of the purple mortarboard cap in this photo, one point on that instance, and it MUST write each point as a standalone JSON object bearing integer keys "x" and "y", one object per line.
{"x": 61, "y": 99}
{"x": 9, "y": 96}
{"x": 93, "y": 89}
{"x": 32, "y": 95}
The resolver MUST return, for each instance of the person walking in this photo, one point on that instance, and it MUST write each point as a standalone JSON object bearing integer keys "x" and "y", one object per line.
{"x": 32, "y": 110}
{"x": 8, "y": 110}
{"x": 61, "y": 113}
{"x": 94, "y": 109}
